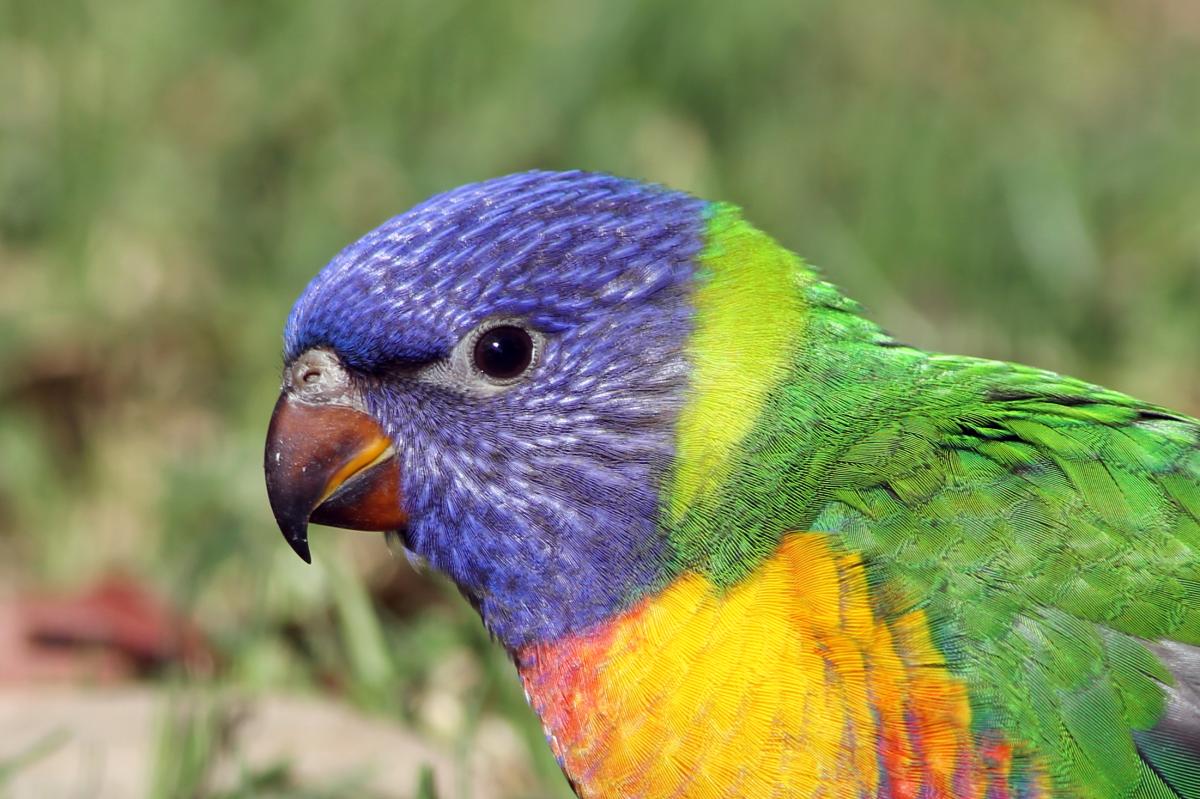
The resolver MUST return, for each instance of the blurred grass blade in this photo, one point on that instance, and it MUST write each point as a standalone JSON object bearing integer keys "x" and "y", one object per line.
{"x": 45, "y": 746}
{"x": 373, "y": 672}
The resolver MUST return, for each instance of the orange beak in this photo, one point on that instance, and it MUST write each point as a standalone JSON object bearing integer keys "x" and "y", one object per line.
{"x": 329, "y": 463}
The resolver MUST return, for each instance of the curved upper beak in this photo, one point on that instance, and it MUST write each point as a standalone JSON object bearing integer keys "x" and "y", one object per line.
{"x": 329, "y": 463}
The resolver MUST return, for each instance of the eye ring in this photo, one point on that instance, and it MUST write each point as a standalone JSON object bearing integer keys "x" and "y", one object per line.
{"x": 503, "y": 353}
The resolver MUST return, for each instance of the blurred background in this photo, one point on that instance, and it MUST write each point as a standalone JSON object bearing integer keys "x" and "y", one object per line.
{"x": 1016, "y": 180}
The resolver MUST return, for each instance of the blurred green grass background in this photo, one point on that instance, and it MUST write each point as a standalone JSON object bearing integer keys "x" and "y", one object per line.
{"x": 1015, "y": 180}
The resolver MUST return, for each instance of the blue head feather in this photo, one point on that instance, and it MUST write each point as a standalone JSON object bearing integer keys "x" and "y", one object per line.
{"x": 541, "y": 500}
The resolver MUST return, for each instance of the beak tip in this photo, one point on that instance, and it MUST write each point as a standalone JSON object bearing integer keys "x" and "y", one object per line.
{"x": 299, "y": 545}
{"x": 292, "y": 520}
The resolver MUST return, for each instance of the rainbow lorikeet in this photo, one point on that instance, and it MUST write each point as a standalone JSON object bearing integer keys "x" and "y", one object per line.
{"x": 737, "y": 540}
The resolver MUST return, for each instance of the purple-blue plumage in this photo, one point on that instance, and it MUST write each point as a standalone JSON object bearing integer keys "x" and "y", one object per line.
{"x": 539, "y": 499}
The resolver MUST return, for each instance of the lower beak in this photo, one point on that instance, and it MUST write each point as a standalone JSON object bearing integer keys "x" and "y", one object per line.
{"x": 330, "y": 464}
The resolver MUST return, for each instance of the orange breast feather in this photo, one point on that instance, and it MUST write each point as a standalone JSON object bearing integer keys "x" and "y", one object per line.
{"x": 786, "y": 685}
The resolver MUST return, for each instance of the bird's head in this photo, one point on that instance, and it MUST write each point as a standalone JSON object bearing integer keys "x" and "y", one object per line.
{"x": 510, "y": 375}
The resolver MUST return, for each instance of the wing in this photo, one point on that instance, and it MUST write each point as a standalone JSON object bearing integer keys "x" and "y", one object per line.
{"x": 1050, "y": 530}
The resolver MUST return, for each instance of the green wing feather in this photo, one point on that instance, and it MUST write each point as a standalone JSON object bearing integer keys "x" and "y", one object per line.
{"x": 1050, "y": 529}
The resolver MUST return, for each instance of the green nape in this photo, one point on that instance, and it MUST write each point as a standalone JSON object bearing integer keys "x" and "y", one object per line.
{"x": 748, "y": 313}
{"x": 758, "y": 307}
{"x": 1046, "y": 527}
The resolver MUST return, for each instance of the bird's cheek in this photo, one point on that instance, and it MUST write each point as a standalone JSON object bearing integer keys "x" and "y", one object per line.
{"x": 332, "y": 464}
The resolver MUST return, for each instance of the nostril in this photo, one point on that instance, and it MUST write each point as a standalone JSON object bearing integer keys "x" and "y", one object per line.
{"x": 316, "y": 373}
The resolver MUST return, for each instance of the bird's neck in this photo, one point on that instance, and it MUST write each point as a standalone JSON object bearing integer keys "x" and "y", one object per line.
{"x": 786, "y": 373}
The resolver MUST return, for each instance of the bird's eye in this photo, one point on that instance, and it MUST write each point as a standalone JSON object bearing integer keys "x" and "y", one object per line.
{"x": 504, "y": 352}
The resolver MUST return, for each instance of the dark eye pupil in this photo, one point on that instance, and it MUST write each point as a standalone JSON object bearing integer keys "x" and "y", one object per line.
{"x": 503, "y": 352}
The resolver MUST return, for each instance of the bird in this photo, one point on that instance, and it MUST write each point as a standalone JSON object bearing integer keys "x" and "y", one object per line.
{"x": 737, "y": 539}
